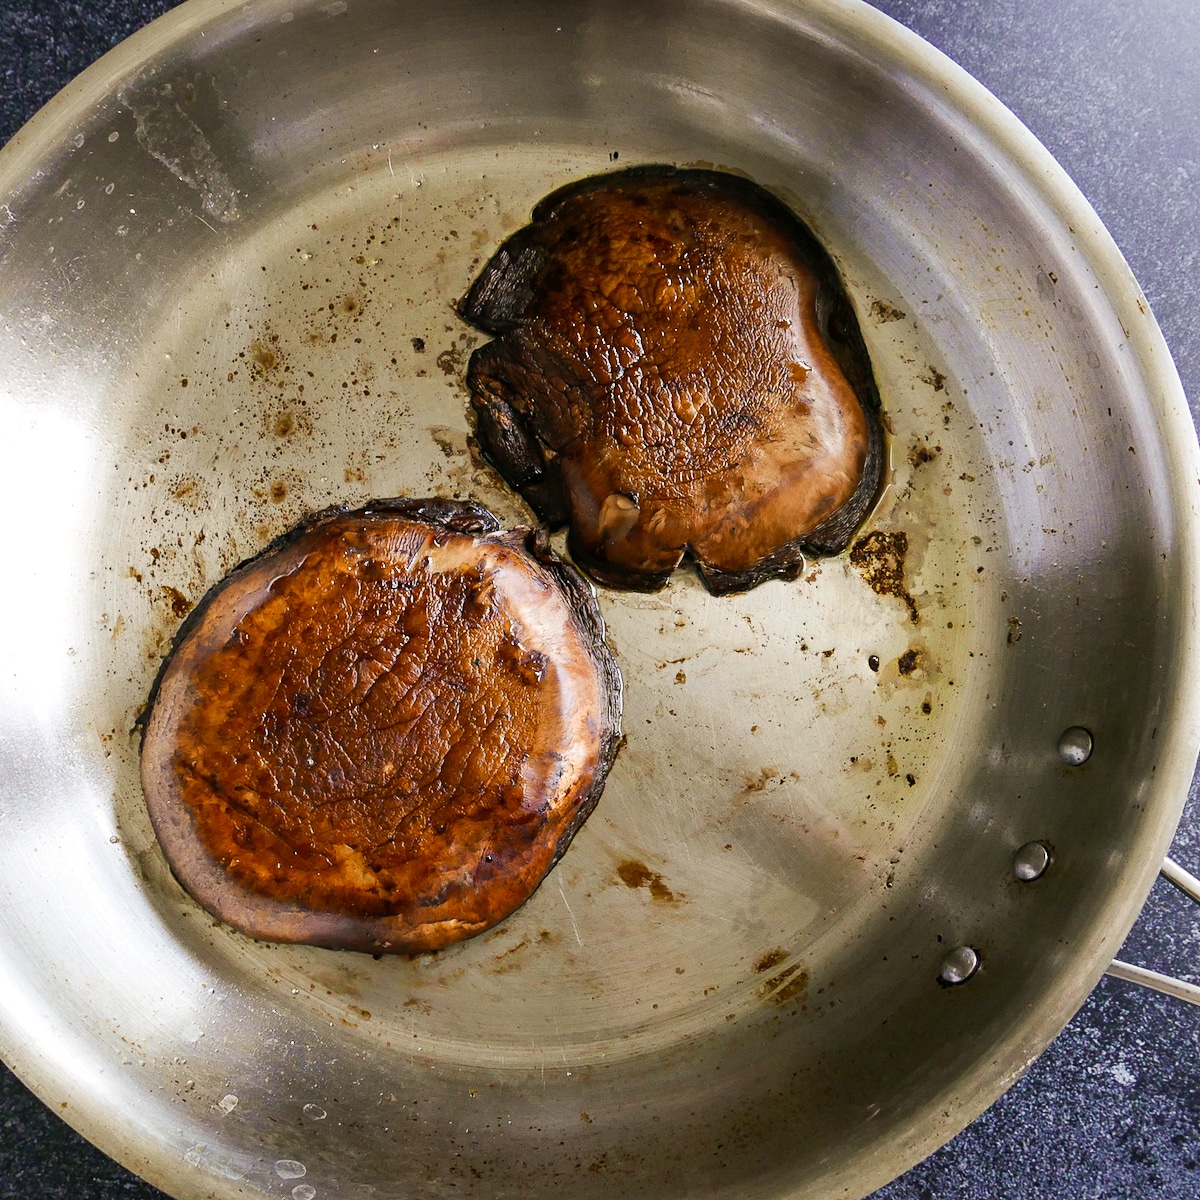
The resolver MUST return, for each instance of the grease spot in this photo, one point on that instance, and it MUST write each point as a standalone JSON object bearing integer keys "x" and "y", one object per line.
{"x": 789, "y": 986}
{"x": 180, "y": 604}
{"x": 634, "y": 874}
{"x": 451, "y": 442}
{"x": 263, "y": 355}
{"x": 765, "y": 778}
{"x": 451, "y": 361}
{"x": 920, "y": 454}
{"x": 883, "y": 312}
{"x": 772, "y": 958}
{"x": 934, "y": 378}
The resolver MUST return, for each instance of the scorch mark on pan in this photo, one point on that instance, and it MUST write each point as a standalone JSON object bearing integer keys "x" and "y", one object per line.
{"x": 634, "y": 874}
{"x": 880, "y": 557}
{"x": 787, "y": 985}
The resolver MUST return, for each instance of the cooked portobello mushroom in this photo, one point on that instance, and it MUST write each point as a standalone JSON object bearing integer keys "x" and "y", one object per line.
{"x": 382, "y": 732}
{"x": 676, "y": 370}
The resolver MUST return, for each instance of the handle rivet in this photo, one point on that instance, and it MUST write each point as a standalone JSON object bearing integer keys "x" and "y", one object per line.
{"x": 959, "y": 965}
{"x": 1075, "y": 746}
{"x": 1030, "y": 861}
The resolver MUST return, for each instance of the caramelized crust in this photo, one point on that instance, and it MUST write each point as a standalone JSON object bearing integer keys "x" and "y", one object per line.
{"x": 677, "y": 371}
{"x": 381, "y": 733}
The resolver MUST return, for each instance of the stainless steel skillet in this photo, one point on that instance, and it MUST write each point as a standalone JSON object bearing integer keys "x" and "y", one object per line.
{"x": 830, "y": 1075}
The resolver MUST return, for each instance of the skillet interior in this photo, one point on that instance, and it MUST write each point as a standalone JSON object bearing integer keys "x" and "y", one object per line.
{"x": 667, "y": 1015}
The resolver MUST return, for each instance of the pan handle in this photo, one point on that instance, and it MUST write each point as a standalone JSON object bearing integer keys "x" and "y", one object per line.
{"x": 1189, "y": 885}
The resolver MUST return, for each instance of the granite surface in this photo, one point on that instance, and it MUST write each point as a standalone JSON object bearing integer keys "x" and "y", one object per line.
{"x": 1112, "y": 87}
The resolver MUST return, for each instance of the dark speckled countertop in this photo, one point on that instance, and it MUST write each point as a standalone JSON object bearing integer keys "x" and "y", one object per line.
{"x": 1112, "y": 87}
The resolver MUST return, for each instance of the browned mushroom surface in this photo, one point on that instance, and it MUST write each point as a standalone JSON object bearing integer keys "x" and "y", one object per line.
{"x": 676, "y": 371}
{"x": 381, "y": 733}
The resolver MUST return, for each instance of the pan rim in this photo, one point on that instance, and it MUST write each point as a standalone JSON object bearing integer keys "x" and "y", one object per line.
{"x": 927, "y": 67}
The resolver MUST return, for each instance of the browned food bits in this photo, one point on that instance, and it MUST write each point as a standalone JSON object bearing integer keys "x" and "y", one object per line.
{"x": 676, "y": 371}
{"x": 382, "y": 732}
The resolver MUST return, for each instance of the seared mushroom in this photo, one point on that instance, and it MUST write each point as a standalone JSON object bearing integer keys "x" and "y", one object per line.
{"x": 382, "y": 732}
{"x": 676, "y": 371}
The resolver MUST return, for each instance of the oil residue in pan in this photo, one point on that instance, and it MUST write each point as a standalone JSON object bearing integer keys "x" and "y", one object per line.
{"x": 783, "y": 745}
